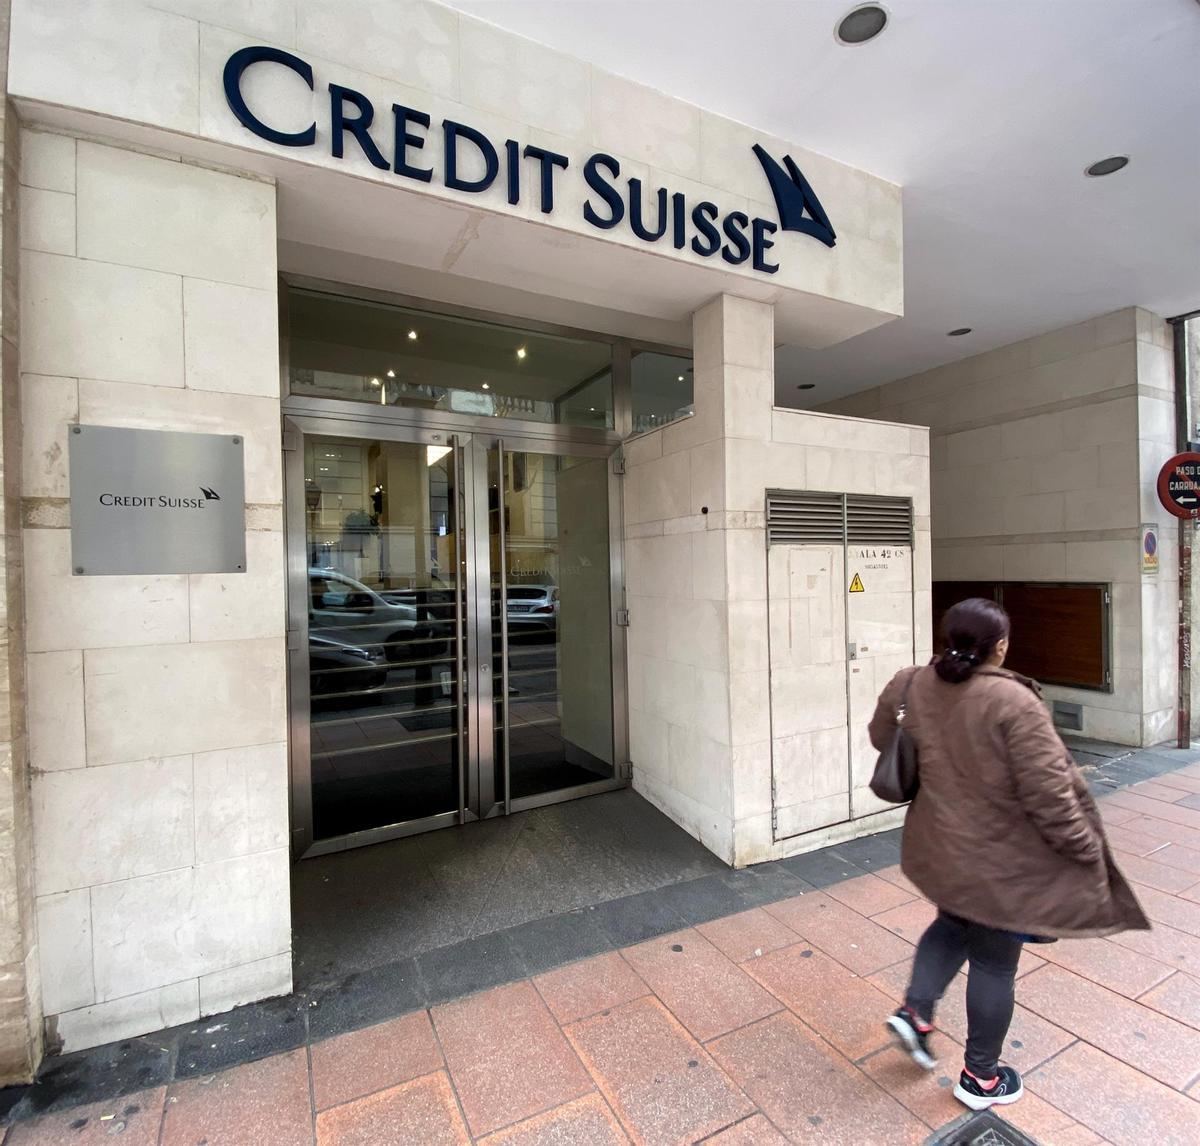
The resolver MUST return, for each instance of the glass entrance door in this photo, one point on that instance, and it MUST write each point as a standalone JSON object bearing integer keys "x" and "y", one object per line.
{"x": 450, "y": 630}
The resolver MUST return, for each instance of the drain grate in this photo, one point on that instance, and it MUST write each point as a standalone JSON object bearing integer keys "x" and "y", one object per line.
{"x": 984, "y": 1129}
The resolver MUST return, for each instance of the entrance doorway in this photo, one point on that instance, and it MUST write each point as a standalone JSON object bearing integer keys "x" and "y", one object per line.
{"x": 451, "y": 627}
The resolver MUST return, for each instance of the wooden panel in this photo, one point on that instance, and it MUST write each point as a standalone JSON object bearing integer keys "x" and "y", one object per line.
{"x": 1058, "y": 631}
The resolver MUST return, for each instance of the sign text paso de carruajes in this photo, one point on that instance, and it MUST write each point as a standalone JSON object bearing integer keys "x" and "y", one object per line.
{"x": 156, "y": 501}
{"x": 662, "y": 215}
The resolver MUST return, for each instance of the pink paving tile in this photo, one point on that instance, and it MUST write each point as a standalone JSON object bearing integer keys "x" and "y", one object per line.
{"x": 842, "y": 1007}
{"x": 895, "y": 875}
{"x": 854, "y": 941}
{"x": 704, "y": 990}
{"x": 135, "y": 1118}
{"x": 1164, "y": 832}
{"x": 507, "y": 1056}
{"x": 809, "y": 1091}
{"x": 584, "y": 1122}
{"x": 1192, "y": 895}
{"x": 1153, "y": 790}
{"x": 1180, "y": 781}
{"x": 754, "y": 1131}
{"x": 1150, "y": 873}
{"x": 1178, "y": 997}
{"x": 663, "y": 1084}
{"x": 588, "y": 987}
{"x": 1031, "y": 1039}
{"x": 421, "y": 1112}
{"x": 1148, "y": 1041}
{"x": 910, "y": 921}
{"x": 1178, "y": 856}
{"x": 1135, "y": 1110}
{"x": 747, "y": 934}
{"x": 1046, "y": 1123}
{"x": 265, "y": 1101}
{"x": 868, "y": 894}
{"x": 1166, "y": 945}
{"x": 1125, "y": 839}
{"x": 1107, "y": 963}
{"x": 1156, "y": 809}
{"x": 378, "y": 1057}
{"x": 1170, "y": 909}
{"x": 1113, "y": 815}
{"x": 929, "y": 1095}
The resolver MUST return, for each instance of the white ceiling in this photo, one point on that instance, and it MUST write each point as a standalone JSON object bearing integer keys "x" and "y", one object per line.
{"x": 985, "y": 111}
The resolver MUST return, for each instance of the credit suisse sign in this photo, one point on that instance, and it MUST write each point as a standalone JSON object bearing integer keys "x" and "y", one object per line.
{"x": 663, "y": 216}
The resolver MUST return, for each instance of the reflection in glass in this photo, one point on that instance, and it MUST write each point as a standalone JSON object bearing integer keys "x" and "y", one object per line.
{"x": 396, "y": 356}
{"x": 383, "y": 664}
{"x": 662, "y": 389}
{"x": 552, "y": 513}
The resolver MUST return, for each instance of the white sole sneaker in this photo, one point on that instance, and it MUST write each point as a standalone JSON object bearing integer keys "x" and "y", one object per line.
{"x": 907, "y": 1037}
{"x": 983, "y": 1101}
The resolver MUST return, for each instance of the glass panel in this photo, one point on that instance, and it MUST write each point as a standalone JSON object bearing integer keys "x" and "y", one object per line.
{"x": 371, "y": 352}
{"x": 558, "y": 612}
{"x": 662, "y": 389}
{"x": 383, "y": 665}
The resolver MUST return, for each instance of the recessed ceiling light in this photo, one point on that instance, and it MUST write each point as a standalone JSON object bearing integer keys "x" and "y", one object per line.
{"x": 487, "y": 385}
{"x": 807, "y": 386}
{"x": 520, "y": 352}
{"x": 680, "y": 378}
{"x": 391, "y": 374}
{"x": 958, "y": 332}
{"x": 374, "y": 381}
{"x": 1107, "y": 166}
{"x": 861, "y": 24}
{"x": 412, "y": 336}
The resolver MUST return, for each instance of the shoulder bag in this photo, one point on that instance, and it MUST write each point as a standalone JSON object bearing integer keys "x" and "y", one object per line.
{"x": 896, "y": 778}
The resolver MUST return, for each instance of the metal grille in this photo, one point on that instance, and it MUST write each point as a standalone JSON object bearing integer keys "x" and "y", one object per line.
{"x": 795, "y": 518}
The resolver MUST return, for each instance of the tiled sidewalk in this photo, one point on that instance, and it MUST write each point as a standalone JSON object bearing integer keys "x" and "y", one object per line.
{"x": 760, "y": 1027}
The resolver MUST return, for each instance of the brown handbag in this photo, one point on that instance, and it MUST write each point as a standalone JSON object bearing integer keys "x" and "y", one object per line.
{"x": 896, "y": 777}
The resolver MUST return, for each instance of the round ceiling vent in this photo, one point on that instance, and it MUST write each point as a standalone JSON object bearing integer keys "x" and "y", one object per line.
{"x": 861, "y": 24}
{"x": 958, "y": 332}
{"x": 1107, "y": 166}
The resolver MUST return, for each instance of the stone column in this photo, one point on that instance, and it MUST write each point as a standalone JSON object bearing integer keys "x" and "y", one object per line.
{"x": 20, "y": 995}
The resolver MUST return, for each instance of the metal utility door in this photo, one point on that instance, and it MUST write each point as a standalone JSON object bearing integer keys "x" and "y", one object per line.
{"x": 840, "y": 606}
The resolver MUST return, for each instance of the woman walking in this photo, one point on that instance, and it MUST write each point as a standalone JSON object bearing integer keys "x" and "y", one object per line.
{"x": 1003, "y": 837}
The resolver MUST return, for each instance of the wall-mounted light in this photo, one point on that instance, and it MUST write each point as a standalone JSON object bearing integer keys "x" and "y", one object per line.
{"x": 520, "y": 352}
{"x": 412, "y": 336}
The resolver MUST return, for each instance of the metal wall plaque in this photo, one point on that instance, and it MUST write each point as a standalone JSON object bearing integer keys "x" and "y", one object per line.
{"x": 156, "y": 501}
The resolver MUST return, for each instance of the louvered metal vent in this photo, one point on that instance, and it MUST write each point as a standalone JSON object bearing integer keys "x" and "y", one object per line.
{"x": 879, "y": 520}
{"x": 795, "y": 518}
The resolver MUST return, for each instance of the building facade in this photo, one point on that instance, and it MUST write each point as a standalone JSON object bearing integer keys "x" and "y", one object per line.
{"x": 490, "y": 335}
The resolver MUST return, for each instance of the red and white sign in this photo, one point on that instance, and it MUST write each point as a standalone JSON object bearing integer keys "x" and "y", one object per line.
{"x": 1179, "y": 485}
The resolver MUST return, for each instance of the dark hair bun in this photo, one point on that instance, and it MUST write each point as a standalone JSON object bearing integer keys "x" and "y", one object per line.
{"x": 971, "y": 630}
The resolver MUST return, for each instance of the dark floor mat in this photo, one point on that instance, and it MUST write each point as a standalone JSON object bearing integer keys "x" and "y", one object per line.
{"x": 983, "y": 1129}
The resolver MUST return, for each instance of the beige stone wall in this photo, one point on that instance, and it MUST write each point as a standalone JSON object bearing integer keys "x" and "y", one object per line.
{"x": 700, "y": 674}
{"x": 1045, "y": 456}
{"x": 156, "y": 703}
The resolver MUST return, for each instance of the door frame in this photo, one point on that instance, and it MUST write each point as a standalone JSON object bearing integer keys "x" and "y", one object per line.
{"x": 472, "y": 438}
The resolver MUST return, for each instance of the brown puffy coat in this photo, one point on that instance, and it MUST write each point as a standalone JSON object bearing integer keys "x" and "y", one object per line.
{"x": 1003, "y": 830}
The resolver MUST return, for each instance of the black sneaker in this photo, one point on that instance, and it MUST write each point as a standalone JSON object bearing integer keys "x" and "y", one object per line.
{"x": 903, "y": 1024}
{"x": 1008, "y": 1089}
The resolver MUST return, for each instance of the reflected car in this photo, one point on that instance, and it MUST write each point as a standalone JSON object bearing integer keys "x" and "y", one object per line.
{"x": 355, "y": 675}
{"x": 349, "y": 611}
{"x": 532, "y": 608}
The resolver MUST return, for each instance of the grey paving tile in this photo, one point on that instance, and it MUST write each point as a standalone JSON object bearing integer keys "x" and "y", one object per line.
{"x": 472, "y": 965}
{"x": 636, "y": 918}
{"x": 365, "y": 997}
{"x": 704, "y": 899}
{"x": 542, "y": 944}
{"x": 823, "y": 868}
{"x": 241, "y": 1035}
{"x": 764, "y": 883}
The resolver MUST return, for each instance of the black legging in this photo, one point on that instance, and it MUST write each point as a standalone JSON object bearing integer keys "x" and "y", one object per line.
{"x": 993, "y": 956}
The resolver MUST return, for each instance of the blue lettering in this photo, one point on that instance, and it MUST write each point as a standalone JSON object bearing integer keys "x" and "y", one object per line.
{"x": 406, "y": 139}
{"x": 760, "y": 229}
{"x": 549, "y": 160}
{"x": 359, "y": 126}
{"x": 734, "y": 222}
{"x": 678, "y": 220}
{"x": 512, "y": 152}
{"x": 635, "y": 212}
{"x": 237, "y": 64}
{"x": 491, "y": 161}
{"x": 703, "y": 217}
{"x": 595, "y": 180}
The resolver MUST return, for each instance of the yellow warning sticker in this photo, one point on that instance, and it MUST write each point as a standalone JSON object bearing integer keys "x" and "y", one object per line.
{"x": 856, "y": 586}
